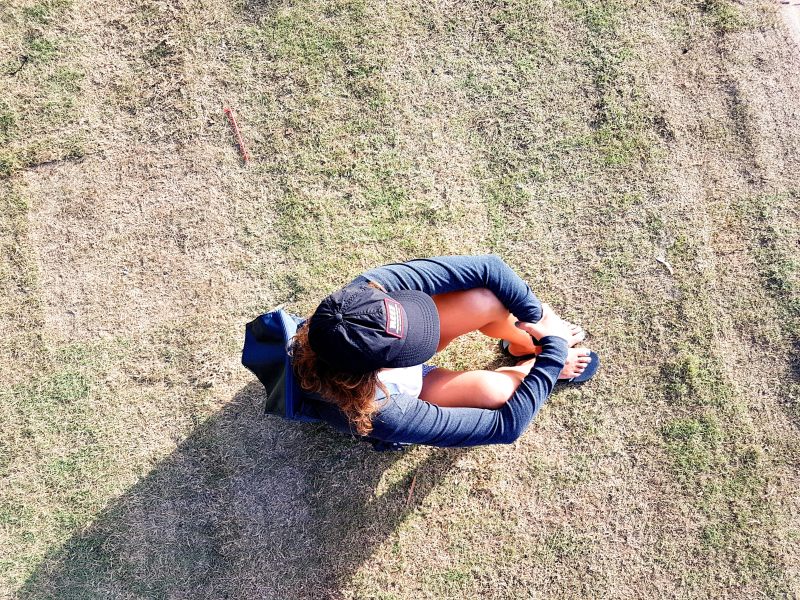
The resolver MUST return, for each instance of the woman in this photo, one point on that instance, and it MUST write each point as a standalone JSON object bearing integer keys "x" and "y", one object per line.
{"x": 360, "y": 357}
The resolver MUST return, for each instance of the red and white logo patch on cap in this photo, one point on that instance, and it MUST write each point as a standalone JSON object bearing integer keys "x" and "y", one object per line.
{"x": 395, "y": 318}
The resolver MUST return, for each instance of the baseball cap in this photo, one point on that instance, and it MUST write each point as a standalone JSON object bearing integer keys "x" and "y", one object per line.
{"x": 359, "y": 329}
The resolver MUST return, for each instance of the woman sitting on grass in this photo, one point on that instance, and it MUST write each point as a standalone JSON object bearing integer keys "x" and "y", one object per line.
{"x": 360, "y": 356}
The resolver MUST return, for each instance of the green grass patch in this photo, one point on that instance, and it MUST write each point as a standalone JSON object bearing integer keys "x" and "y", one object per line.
{"x": 71, "y": 472}
{"x": 8, "y": 121}
{"x": 51, "y": 391}
{"x": 53, "y": 405}
{"x": 792, "y": 400}
{"x": 40, "y": 49}
{"x": 40, "y": 94}
{"x": 51, "y": 150}
{"x": 770, "y": 227}
{"x": 20, "y": 302}
{"x": 616, "y": 263}
{"x": 449, "y": 580}
{"x": 46, "y": 11}
{"x": 66, "y": 80}
{"x": 70, "y": 444}
{"x": 780, "y": 273}
{"x": 722, "y": 474}
{"x": 310, "y": 47}
{"x": 693, "y": 444}
{"x": 564, "y": 544}
{"x": 506, "y": 199}
{"x": 711, "y": 441}
{"x": 727, "y": 480}
{"x": 691, "y": 379}
{"x": 726, "y": 16}
{"x": 344, "y": 182}
{"x": 9, "y": 163}
{"x": 621, "y": 124}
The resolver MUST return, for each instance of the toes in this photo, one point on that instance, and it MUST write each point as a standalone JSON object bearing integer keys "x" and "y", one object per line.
{"x": 579, "y": 360}
{"x": 575, "y": 371}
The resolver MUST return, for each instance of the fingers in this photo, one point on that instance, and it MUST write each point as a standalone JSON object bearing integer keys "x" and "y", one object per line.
{"x": 532, "y": 329}
{"x": 528, "y": 328}
{"x": 526, "y": 363}
{"x": 552, "y": 324}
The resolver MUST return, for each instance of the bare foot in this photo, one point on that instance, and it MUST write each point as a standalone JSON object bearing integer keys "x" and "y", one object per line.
{"x": 577, "y": 361}
{"x": 577, "y": 335}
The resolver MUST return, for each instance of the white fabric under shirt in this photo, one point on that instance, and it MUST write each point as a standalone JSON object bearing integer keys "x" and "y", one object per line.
{"x": 405, "y": 380}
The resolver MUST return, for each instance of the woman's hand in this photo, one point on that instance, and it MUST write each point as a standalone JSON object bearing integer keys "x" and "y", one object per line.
{"x": 549, "y": 324}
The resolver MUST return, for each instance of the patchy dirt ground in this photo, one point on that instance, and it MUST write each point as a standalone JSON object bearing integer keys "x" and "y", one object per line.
{"x": 791, "y": 14}
{"x": 634, "y": 161}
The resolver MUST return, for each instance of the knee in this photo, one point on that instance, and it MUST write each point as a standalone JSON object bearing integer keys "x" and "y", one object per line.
{"x": 495, "y": 392}
{"x": 484, "y": 301}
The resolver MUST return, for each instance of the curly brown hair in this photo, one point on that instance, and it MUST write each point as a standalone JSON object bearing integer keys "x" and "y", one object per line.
{"x": 353, "y": 394}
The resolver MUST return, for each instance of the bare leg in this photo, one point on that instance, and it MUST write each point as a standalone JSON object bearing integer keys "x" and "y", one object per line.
{"x": 489, "y": 389}
{"x": 479, "y": 310}
{"x": 460, "y": 313}
{"x": 475, "y": 389}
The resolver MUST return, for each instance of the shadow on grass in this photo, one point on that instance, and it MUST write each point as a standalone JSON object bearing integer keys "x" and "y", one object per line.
{"x": 247, "y": 506}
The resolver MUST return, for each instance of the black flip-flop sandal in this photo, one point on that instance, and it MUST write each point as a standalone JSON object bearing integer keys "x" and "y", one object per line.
{"x": 503, "y": 346}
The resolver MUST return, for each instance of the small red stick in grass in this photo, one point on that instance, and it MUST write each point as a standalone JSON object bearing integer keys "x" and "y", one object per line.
{"x": 237, "y": 133}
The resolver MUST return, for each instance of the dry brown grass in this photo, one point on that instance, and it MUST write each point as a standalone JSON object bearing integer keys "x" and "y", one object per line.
{"x": 582, "y": 141}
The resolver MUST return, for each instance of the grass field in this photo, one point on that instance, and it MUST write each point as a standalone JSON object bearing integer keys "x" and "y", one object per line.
{"x": 636, "y": 162}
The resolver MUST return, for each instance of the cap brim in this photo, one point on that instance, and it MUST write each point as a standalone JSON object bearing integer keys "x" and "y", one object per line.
{"x": 422, "y": 338}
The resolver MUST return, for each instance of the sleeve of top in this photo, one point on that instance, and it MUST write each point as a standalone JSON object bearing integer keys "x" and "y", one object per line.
{"x": 443, "y": 274}
{"x": 411, "y": 420}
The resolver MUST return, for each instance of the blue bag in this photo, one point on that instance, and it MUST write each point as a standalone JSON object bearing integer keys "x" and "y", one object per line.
{"x": 266, "y": 354}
